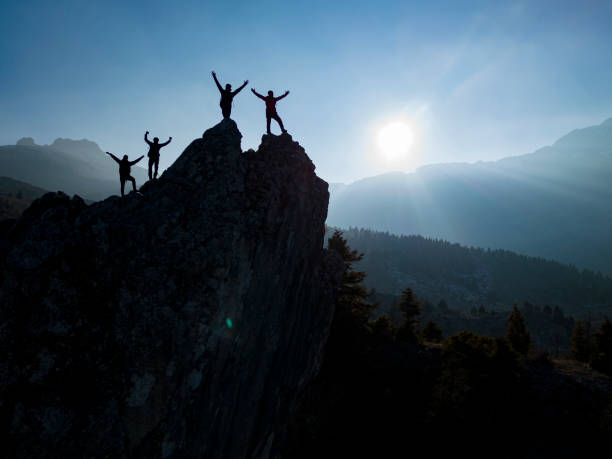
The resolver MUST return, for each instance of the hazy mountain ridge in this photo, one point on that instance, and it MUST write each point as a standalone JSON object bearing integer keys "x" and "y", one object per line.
{"x": 467, "y": 277}
{"x": 552, "y": 203}
{"x": 74, "y": 166}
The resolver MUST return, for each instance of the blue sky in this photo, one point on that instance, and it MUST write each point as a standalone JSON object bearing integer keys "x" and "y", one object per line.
{"x": 474, "y": 80}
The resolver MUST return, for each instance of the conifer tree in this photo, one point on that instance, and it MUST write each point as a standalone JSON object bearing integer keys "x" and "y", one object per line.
{"x": 517, "y": 334}
{"x": 580, "y": 347}
{"x": 351, "y": 302}
{"x": 602, "y": 358}
{"x": 411, "y": 308}
{"x": 432, "y": 332}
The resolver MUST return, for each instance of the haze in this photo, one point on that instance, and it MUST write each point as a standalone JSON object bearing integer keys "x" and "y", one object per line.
{"x": 476, "y": 81}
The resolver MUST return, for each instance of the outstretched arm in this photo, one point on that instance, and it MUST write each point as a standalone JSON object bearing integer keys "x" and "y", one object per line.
{"x": 240, "y": 88}
{"x": 147, "y": 138}
{"x": 166, "y": 143}
{"x": 136, "y": 160}
{"x": 113, "y": 156}
{"x": 217, "y": 81}
{"x": 283, "y": 96}
{"x": 257, "y": 94}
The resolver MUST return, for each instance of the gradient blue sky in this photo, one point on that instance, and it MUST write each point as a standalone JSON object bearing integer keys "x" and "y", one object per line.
{"x": 477, "y": 80}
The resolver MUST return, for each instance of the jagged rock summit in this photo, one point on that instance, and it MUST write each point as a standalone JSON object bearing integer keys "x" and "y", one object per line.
{"x": 180, "y": 323}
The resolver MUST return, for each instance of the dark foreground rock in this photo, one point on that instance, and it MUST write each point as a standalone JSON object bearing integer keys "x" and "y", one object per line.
{"x": 182, "y": 322}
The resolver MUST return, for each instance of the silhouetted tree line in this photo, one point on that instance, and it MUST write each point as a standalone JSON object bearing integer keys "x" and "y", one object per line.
{"x": 593, "y": 347}
{"x": 395, "y": 389}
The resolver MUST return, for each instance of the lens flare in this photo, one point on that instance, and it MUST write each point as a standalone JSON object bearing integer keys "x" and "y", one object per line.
{"x": 394, "y": 140}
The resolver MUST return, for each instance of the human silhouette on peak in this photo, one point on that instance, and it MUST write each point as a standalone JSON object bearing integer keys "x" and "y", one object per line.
{"x": 125, "y": 167}
{"x": 227, "y": 95}
{"x": 153, "y": 153}
{"x": 270, "y": 101}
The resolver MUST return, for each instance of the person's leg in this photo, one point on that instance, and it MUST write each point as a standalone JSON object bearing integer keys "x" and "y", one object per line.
{"x": 226, "y": 110}
{"x": 133, "y": 180}
{"x": 156, "y": 166}
{"x": 122, "y": 187}
{"x": 279, "y": 121}
{"x": 150, "y": 167}
{"x": 268, "y": 118}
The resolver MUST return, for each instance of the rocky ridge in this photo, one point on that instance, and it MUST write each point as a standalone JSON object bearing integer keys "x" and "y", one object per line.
{"x": 182, "y": 322}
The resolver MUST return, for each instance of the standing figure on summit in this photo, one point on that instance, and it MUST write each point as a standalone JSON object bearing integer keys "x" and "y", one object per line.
{"x": 270, "y": 101}
{"x": 227, "y": 95}
{"x": 125, "y": 168}
{"x": 153, "y": 153}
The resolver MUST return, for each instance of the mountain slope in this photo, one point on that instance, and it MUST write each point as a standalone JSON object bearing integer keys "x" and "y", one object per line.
{"x": 553, "y": 203}
{"x": 467, "y": 277}
{"x": 16, "y": 196}
{"x": 76, "y": 167}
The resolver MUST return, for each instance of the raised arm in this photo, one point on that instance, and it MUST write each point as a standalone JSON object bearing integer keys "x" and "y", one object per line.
{"x": 114, "y": 157}
{"x": 217, "y": 81}
{"x": 240, "y": 88}
{"x": 136, "y": 160}
{"x": 283, "y": 96}
{"x": 166, "y": 143}
{"x": 147, "y": 138}
{"x": 257, "y": 94}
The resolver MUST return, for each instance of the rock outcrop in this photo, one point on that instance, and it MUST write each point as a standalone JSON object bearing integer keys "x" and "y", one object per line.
{"x": 182, "y": 322}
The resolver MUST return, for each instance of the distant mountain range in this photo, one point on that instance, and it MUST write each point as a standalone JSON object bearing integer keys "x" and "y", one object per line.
{"x": 73, "y": 166}
{"x": 554, "y": 203}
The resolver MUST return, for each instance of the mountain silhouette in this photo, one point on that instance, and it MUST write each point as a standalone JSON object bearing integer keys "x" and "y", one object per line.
{"x": 182, "y": 322}
{"x": 73, "y": 166}
{"x": 553, "y": 203}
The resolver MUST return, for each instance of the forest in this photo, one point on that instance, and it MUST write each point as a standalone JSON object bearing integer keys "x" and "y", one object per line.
{"x": 469, "y": 277}
{"x": 382, "y": 383}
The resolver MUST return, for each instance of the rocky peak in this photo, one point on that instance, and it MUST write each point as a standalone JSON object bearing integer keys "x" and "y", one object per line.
{"x": 76, "y": 147}
{"x": 26, "y": 142}
{"x": 180, "y": 322}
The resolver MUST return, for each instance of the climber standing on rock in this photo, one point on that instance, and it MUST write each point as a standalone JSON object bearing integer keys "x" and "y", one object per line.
{"x": 270, "y": 101}
{"x": 227, "y": 95}
{"x": 153, "y": 153}
{"x": 125, "y": 168}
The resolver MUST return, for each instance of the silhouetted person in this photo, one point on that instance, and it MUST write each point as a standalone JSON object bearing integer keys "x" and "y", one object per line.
{"x": 270, "y": 101}
{"x": 125, "y": 167}
{"x": 227, "y": 96}
{"x": 153, "y": 153}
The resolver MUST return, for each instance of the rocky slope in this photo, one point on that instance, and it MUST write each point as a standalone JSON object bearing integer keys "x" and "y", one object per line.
{"x": 182, "y": 322}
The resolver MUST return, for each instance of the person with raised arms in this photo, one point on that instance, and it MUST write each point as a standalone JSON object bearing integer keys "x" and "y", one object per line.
{"x": 270, "y": 101}
{"x": 153, "y": 153}
{"x": 227, "y": 95}
{"x": 125, "y": 169}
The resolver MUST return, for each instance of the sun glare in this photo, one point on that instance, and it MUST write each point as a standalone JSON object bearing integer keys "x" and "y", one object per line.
{"x": 394, "y": 140}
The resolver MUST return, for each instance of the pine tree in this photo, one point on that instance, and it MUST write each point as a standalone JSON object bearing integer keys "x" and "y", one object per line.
{"x": 411, "y": 308}
{"x": 517, "y": 334}
{"x": 351, "y": 302}
{"x": 432, "y": 332}
{"x": 602, "y": 358}
{"x": 580, "y": 347}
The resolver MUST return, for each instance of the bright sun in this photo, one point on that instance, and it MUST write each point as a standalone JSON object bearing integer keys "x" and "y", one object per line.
{"x": 394, "y": 140}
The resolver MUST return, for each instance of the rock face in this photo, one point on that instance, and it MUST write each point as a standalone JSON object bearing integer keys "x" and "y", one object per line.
{"x": 182, "y": 322}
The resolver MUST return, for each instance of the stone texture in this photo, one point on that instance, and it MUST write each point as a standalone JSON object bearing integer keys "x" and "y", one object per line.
{"x": 182, "y": 322}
